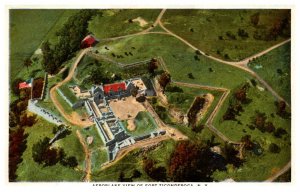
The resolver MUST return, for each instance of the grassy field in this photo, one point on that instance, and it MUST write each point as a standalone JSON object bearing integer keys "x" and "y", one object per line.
{"x": 257, "y": 167}
{"x": 91, "y": 131}
{"x": 29, "y": 170}
{"x": 65, "y": 105}
{"x": 144, "y": 123}
{"x": 179, "y": 58}
{"x": 28, "y": 28}
{"x": 275, "y": 68}
{"x": 190, "y": 25}
{"x": 115, "y": 22}
{"x": 99, "y": 157}
{"x": 68, "y": 93}
{"x": 261, "y": 101}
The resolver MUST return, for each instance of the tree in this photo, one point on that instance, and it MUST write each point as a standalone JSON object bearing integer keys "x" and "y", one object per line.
{"x": 273, "y": 148}
{"x": 156, "y": 173}
{"x": 255, "y": 19}
{"x": 134, "y": 91}
{"x": 279, "y": 132}
{"x": 190, "y": 75}
{"x": 247, "y": 141}
{"x": 152, "y": 66}
{"x": 15, "y": 86}
{"x": 242, "y": 33}
{"x": 27, "y": 63}
{"x": 141, "y": 99}
{"x": 164, "y": 80}
{"x": 70, "y": 161}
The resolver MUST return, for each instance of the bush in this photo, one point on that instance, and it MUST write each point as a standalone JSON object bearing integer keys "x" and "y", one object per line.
{"x": 273, "y": 148}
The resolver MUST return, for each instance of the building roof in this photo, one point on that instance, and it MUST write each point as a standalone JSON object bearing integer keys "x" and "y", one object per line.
{"x": 114, "y": 87}
{"x": 89, "y": 40}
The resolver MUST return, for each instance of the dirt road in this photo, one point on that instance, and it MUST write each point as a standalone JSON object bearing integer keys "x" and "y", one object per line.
{"x": 282, "y": 171}
{"x": 87, "y": 153}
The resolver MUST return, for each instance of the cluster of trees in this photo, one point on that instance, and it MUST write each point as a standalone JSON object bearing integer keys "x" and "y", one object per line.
{"x": 135, "y": 174}
{"x": 195, "y": 108}
{"x": 17, "y": 145}
{"x": 70, "y": 37}
{"x": 157, "y": 173}
{"x": 18, "y": 119}
{"x": 194, "y": 162}
{"x": 280, "y": 28}
{"x": 38, "y": 87}
{"x": 259, "y": 121}
{"x": 46, "y": 155}
{"x": 236, "y": 103}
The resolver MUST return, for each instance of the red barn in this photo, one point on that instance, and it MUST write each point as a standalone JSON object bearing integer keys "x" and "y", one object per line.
{"x": 88, "y": 41}
{"x": 116, "y": 87}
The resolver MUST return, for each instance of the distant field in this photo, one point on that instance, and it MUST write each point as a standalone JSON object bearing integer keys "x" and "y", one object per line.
{"x": 29, "y": 170}
{"x": 179, "y": 58}
{"x": 204, "y": 28}
{"x": 275, "y": 68}
{"x": 115, "y": 22}
{"x": 28, "y": 28}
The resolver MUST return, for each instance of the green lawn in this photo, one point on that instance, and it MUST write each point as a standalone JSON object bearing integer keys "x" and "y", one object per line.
{"x": 68, "y": 93}
{"x": 202, "y": 29}
{"x": 275, "y": 68}
{"x": 65, "y": 105}
{"x": 114, "y": 22}
{"x": 144, "y": 123}
{"x": 28, "y": 170}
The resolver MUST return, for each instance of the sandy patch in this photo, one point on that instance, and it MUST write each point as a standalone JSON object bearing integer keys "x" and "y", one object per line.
{"x": 126, "y": 108}
{"x": 131, "y": 125}
{"x": 142, "y": 22}
{"x": 38, "y": 51}
{"x": 209, "y": 98}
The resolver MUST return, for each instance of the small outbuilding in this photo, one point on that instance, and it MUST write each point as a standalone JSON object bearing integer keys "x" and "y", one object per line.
{"x": 89, "y": 41}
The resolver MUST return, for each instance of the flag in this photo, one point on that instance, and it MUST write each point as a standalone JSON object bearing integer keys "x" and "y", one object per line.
{"x": 26, "y": 84}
